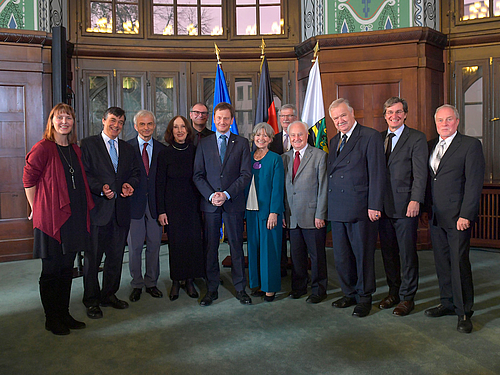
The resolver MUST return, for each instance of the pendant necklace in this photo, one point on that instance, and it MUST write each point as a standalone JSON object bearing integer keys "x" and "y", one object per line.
{"x": 180, "y": 149}
{"x": 71, "y": 169}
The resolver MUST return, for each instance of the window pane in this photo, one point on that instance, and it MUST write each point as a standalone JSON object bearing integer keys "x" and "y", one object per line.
{"x": 211, "y": 21}
{"x": 98, "y": 102}
{"x": 210, "y": 2}
{"x": 163, "y": 1}
{"x": 164, "y": 104}
{"x": 473, "y": 120}
{"x": 270, "y": 20}
{"x": 243, "y": 107}
{"x": 475, "y": 9}
{"x": 127, "y": 19}
{"x": 246, "y": 21}
{"x": 187, "y": 21}
{"x": 270, "y": 2}
{"x": 185, "y": 2}
{"x": 131, "y": 103}
{"x": 245, "y": 2}
{"x": 208, "y": 97}
{"x": 101, "y": 18}
{"x": 496, "y": 8}
{"x": 163, "y": 20}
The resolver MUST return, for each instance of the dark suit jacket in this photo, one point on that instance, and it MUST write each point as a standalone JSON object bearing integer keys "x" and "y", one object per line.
{"x": 356, "y": 178}
{"x": 456, "y": 186}
{"x": 406, "y": 172}
{"x": 146, "y": 190}
{"x": 100, "y": 171}
{"x": 233, "y": 176}
{"x": 277, "y": 143}
{"x": 204, "y": 133}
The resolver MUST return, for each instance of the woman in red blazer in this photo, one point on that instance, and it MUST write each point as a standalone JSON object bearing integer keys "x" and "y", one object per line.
{"x": 58, "y": 193}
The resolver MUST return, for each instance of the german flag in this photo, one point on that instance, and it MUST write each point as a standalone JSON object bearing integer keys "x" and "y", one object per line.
{"x": 266, "y": 111}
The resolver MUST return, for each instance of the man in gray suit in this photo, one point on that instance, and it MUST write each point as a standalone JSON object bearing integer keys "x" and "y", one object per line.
{"x": 306, "y": 212}
{"x": 406, "y": 157}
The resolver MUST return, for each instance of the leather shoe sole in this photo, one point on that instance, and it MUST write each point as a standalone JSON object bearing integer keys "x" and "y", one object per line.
{"x": 388, "y": 302}
{"x": 209, "y": 298}
{"x": 344, "y": 302}
{"x": 94, "y": 312}
{"x": 314, "y": 298}
{"x": 438, "y": 311}
{"x": 154, "y": 292}
{"x": 464, "y": 324}
{"x": 404, "y": 308}
{"x": 296, "y": 294}
{"x": 362, "y": 309}
{"x": 135, "y": 295}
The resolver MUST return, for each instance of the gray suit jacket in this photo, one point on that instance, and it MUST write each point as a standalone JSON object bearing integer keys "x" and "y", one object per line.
{"x": 306, "y": 196}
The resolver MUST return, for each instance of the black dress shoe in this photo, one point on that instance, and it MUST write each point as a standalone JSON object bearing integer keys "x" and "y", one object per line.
{"x": 94, "y": 312}
{"x": 72, "y": 323}
{"x": 209, "y": 298}
{"x": 57, "y": 327}
{"x": 464, "y": 324}
{"x": 243, "y": 297}
{"x": 388, "y": 302}
{"x": 362, "y": 309}
{"x": 296, "y": 294}
{"x": 344, "y": 302}
{"x": 174, "y": 291}
{"x": 314, "y": 298}
{"x": 154, "y": 292}
{"x": 438, "y": 311}
{"x": 258, "y": 293}
{"x": 190, "y": 289}
{"x": 114, "y": 302}
{"x": 269, "y": 298}
{"x": 135, "y": 295}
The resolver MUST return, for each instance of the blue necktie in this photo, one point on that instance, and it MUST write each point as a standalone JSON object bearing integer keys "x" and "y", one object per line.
{"x": 342, "y": 144}
{"x": 113, "y": 154}
{"x": 223, "y": 147}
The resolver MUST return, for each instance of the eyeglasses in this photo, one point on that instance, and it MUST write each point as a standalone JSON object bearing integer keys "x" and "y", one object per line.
{"x": 197, "y": 113}
{"x": 287, "y": 116}
{"x": 399, "y": 112}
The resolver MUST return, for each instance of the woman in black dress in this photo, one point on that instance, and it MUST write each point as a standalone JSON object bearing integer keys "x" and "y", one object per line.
{"x": 58, "y": 193}
{"x": 178, "y": 207}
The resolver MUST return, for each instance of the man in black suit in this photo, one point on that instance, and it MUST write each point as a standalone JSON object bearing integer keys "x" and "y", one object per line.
{"x": 356, "y": 181}
{"x": 112, "y": 173}
{"x": 281, "y": 144}
{"x": 199, "y": 116}
{"x": 406, "y": 158}
{"x": 456, "y": 169}
{"x": 221, "y": 174}
{"x": 144, "y": 223}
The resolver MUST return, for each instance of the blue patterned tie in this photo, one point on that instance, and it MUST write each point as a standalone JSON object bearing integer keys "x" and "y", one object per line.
{"x": 223, "y": 147}
{"x": 113, "y": 154}
{"x": 342, "y": 144}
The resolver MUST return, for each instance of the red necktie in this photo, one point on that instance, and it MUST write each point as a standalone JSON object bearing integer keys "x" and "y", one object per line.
{"x": 296, "y": 163}
{"x": 145, "y": 158}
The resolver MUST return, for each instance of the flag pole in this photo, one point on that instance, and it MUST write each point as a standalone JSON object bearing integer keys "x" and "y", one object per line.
{"x": 217, "y": 52}
{"x": 316, "y": 50}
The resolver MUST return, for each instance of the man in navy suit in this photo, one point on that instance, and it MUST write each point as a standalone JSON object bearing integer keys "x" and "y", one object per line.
{"x": 221, "y": 174}
{"x": 406, "y": 158}
{"x": 456, "y": 170}
{"x": 113, "y": 174}
{"x": 356, "y": 181}
{"x": 144, "y": 223}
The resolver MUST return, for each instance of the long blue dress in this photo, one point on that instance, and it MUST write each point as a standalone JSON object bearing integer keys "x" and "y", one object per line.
{"x": 264, "y": 245}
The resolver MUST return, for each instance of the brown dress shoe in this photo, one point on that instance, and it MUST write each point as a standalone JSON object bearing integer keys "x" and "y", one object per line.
{"x": 388, "y": 302}
{"x": 404, "y": 308}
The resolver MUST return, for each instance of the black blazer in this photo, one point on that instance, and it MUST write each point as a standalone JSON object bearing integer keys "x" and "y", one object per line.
{"x": 100, "y": 171}
{"x": 233, "y": 176}
{"x": 455, "y": 189}
{"x": 277, "y": 144}
{"x": 406, "y": 172}
{"x": 356, "y": 178}
{"x": 146, "y": 189}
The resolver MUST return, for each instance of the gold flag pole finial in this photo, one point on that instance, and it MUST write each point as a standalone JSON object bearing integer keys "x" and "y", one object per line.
{"x": 316, "y": 50}
{"x": 217, "y": 52}
{"x": 262, "y": 48}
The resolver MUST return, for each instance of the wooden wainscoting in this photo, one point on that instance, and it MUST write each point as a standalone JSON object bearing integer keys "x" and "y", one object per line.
{"x": 486, "y": 232}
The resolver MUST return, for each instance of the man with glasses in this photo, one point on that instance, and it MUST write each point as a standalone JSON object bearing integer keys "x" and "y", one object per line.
{"x": 199, "y": 117}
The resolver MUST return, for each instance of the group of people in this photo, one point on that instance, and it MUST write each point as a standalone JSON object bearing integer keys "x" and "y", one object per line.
{"x": 109, "y": 193}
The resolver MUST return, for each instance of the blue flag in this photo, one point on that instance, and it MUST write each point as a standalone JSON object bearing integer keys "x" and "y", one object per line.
{"x": 222, "y": 95}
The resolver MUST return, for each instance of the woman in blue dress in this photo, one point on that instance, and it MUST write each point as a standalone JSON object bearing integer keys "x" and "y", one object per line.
{"x": 265, "y": 215}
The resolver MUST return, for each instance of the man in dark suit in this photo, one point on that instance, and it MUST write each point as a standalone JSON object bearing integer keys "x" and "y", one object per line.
{"x": 144, "y": 223}
{"x": 305, "y": 213}
{"x": 356, "y": 181}
{"x": 199, "y": 116}
{"x": 221, "y": 174}
{"x": 406, "y": 158}
{"x": 456, "y": 169}
{"x": 112, "y": 173}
